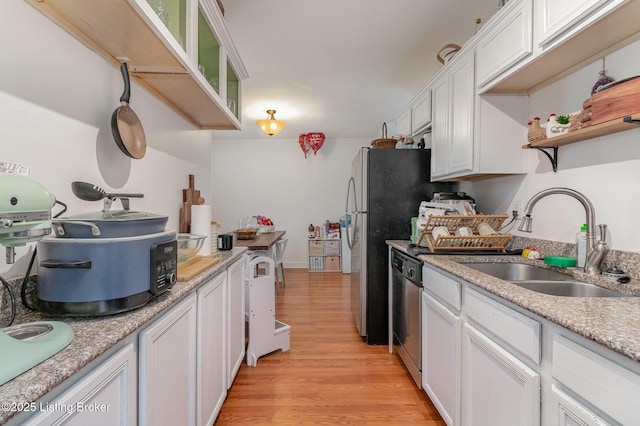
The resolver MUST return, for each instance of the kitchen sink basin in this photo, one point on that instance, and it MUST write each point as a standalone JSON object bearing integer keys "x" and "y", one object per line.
{"x": 543, "y": 280}
{"x": 569, "y": 289}
{"x": 519, "y": 272}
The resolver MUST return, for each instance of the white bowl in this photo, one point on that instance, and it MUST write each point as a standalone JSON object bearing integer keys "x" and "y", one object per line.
{"x": 266, "y": 229}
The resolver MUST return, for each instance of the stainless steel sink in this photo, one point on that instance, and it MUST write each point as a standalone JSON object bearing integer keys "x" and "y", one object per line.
{"x": 518, "y": 272}
{"x": 543, "y": 280}
{"x": 569, "y": 289}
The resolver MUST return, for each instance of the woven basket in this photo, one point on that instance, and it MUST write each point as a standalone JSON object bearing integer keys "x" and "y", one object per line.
{"x": 384, "y": 142}
{"x": 447, "y": 52}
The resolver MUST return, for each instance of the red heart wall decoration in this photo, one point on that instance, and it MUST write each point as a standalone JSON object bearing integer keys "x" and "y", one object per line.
{"x": 302, "y": 140}
{"x": 315, "y": 141}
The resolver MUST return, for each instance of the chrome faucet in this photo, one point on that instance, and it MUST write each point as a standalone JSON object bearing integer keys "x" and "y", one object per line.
{"x": 595, "y": 252}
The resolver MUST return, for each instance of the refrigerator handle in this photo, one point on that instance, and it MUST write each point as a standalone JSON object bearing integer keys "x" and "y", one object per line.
{"x": 351, "y": 190}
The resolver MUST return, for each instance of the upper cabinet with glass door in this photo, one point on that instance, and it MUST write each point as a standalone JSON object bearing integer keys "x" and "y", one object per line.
{"x": 173, "y": 14}
{"x": 233, "y": 91}
{"x": 180, "y": 50}
{"x": 208, "y": 52}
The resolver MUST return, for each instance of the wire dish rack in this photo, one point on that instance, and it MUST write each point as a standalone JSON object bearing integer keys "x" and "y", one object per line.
{"x": 476, "y": 241}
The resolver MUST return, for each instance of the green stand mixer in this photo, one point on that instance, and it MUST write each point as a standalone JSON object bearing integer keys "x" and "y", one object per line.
{"x": 25, "y": 217}
{"x": 25, "y": 212}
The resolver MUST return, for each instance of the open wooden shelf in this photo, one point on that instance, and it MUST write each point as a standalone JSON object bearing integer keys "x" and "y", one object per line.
{"x": 597, "y": 130}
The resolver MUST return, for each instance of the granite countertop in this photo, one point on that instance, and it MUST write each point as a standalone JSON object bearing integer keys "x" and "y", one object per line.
{"x": 613, "y": 322}
{"x": 94, "y": 336}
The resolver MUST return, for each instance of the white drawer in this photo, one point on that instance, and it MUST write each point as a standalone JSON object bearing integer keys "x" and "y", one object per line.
{"x": 519, "y": 331}
{"x": 608, "y": 386}
{"x": 443, "y": 287}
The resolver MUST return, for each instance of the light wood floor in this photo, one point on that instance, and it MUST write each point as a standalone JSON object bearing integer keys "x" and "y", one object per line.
{"x": 329, "y": 376}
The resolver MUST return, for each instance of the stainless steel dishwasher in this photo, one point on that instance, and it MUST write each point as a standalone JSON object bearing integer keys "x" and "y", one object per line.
{"x": 407, "y": 312}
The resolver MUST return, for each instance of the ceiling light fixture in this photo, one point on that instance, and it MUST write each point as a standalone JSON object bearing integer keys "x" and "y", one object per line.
{"x": 270, "y": 125}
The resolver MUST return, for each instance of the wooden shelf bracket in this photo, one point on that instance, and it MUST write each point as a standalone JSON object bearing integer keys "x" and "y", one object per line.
{"x": 630, "y": 120}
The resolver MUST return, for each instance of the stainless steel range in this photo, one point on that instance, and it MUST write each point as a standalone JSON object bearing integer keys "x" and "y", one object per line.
{"x": 407, "y": 312}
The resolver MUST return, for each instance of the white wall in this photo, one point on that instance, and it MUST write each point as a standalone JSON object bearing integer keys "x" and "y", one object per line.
{"x": 56, "y": 101}
{"x": 605, "y": 169}
{"x": 271, "y": 177}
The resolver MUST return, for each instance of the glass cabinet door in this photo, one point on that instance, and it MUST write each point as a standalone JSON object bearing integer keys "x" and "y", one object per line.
{"x": 233, "y": 91}
{"x": 173, "y": 14}
{"x": 208, "y": 53}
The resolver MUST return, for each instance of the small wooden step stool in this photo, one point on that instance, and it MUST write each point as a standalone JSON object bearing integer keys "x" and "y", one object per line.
{"x": 266, "y": 333}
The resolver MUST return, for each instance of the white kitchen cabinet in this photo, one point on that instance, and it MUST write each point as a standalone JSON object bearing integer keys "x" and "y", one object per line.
{"x": 472, "y": 379}
{"x": 517, "y": 368}
{"x": 421, "y": 111}
{"x": 441, "y": 337}
{"x": 211, "y": 372}
{"x": 557, "y": 18}
{"x": 415, "y": 117}
{"x": 462, "y": 93}
{"x": 570, "y": 412}
{"x": 566, "y": 35}
{"x": 507, "y": 42}
{"x": 497, "y": 388}
{"x": 104, "y": 397}
{"x": 453, "y": 121}
{"x": 440, "y": 127}
{"x": 167, "y": 386}
{"x": 404, "y": 122}
{"x": 475, "y": 136}
{"x": 235, "y": 336}
{"x": 518, "y": 331}
{"x": 608, "y": 387}
{"x": 162, "y": 41}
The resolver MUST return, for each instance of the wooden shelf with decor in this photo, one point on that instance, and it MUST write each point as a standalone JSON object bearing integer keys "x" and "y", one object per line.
{"x": 614, "y": 126}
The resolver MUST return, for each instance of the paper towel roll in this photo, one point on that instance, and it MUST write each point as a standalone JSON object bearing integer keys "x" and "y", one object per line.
{"x": 201, "y": 224}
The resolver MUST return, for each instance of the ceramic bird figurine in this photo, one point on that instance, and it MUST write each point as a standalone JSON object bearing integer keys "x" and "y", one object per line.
{"x": 554, "y": 127}
{"x": 536, "y": 133}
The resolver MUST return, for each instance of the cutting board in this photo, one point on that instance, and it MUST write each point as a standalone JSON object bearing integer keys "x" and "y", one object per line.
{"x": 620, "y": 100}
{"x": 190, "y": 196}
{"x": 194, "y": 266}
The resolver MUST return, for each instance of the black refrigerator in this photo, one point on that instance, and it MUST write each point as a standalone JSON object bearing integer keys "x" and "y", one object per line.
{"x": 383, "y": 194}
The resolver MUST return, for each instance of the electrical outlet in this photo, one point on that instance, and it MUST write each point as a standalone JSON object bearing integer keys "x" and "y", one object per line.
{"x": 517, "y": 207}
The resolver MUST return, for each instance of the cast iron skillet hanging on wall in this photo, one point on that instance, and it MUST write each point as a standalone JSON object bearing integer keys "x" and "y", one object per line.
{"x": 125, "y": 125}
